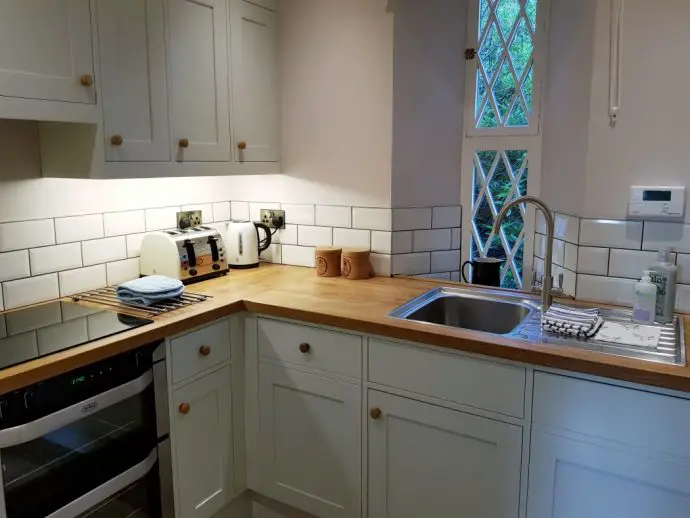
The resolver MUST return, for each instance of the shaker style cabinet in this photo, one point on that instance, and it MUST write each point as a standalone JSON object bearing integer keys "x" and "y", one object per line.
{"x": 309, "y": 447}
{"x": 131, "y": 36}
{"x": 254, "y": 63}
{"x": 572, "y": 478}
{"x": 426, "y": 460}
{"x": 198, "y": 80}
{"x": 202, "y": 445}
{"x": 46, "y": 50}
{"x": 599, "y": 450}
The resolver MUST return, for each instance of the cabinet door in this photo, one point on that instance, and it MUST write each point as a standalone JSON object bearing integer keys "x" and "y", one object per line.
{"x": 430, "y": 461}
{"x": 198, "y": 57}
{"x": 573, "y": 479}
{"x": 45, "y": 49}
{"x": 135, "y": 101}
{"x": 202, "y": 445}
{"x": 310, "y": 442}
{"x": 256, "y": 102}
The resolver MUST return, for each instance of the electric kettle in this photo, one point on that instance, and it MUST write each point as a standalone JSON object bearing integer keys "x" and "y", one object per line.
{"x": 243, "y": 243}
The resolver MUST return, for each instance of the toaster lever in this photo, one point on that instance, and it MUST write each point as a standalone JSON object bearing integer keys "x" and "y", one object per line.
{"x": 214, "y": 248}
{"x": 191, "y": 256}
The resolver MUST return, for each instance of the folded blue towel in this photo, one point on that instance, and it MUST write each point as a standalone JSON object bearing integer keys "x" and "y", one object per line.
{"x": 149, "y": 290}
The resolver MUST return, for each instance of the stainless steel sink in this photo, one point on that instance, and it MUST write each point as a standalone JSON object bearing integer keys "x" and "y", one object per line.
{"x": 481, "y": 310}
{"x": 516, "y": 315}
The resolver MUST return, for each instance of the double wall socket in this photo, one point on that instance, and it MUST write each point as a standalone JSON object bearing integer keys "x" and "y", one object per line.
{"x": 188, "y": 218}
{"x": 273, "y": 218}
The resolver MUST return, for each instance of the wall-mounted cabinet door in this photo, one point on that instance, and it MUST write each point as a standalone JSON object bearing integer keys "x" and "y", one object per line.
{"x": 201, "y": 435}
{"x": 571, "y": 478}
{"x": 256, "y": 111}
{"x": 45, "y": 50}
{"x": 198, "y": 80}
{"x": 132, "y": 61}
{"x": 430, "y": 461}
{"x": 310, "y": 442}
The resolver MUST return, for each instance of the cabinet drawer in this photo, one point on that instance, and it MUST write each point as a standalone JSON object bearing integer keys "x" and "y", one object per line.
{"x": 200, "y": 350}
{"x": 467, "y": 381}
{"x": 312, "y": 347}
{"x": 623, "y": 415}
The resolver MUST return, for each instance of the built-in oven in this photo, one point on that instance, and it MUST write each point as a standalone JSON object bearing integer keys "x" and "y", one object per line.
{"x": 92, "y": 442}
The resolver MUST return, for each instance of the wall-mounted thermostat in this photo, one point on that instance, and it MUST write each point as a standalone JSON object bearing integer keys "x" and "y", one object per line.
{"x": 659, "y": 203}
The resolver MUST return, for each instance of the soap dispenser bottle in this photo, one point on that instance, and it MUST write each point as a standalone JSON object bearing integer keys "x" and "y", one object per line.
{"x": 644, "y": 302}
{"x": 665, "y": 275}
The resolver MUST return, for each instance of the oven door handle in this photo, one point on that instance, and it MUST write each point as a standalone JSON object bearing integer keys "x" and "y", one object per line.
{"x": 35, "y": 429}
{"x": 105, "y": 491}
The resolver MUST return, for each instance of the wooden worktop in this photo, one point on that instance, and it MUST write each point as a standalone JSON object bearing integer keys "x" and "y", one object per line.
{"x": 361, "y": 306}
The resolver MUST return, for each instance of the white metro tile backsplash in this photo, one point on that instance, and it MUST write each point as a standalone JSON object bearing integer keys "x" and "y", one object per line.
{"x": 593, "y": 260}
{"x": 14, "y": 265}
{"x": 611, "y": 233}
{"x": 26, "y": 234}
{"x": 674, "y": 235}
{"x": 44, "y": 259}
{"x": 631, "y": 263}
{"x": 79, "y": 228}
{"x": 49, "y": 259}
{"x": 122, "y": 223}
{"x": 82, "y": 279}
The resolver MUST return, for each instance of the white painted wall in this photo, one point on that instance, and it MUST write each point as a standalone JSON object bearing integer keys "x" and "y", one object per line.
{"x": 336, "y": 72}
{"x": 428, "y": 98}
{"x": 650, "y": 143}
{"x": 565, "y": 110}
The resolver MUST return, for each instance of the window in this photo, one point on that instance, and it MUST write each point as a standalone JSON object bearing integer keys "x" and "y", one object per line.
{"x": 502, "y": 144}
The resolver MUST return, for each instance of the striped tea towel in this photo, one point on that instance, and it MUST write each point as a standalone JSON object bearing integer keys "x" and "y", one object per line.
{"x": 149, "y": 290}
{"x": 578, "y": 322}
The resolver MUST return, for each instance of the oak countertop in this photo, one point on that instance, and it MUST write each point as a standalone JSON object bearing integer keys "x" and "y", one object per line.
{"x": 361, "y": 306}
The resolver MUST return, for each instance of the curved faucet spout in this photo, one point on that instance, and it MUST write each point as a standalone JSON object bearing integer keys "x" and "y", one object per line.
{"x": 546, "y": 286}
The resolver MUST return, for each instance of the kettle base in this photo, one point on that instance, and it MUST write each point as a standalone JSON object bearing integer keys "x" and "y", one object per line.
{"x": 243, "y": 266}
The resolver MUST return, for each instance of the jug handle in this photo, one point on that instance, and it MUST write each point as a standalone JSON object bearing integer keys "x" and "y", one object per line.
{"x": 462, "y": 271}
{"x": 263, "y": 243}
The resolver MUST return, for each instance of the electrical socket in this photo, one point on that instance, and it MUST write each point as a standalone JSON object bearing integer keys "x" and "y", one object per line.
{"x": 188, "y": 218}
{"x": 273, "y": 218}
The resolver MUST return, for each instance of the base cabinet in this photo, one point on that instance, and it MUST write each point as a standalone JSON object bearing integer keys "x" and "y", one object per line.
{"x": 202, "y": 443}
{"x": 310, "y": 441}
{"x": 431, "y": 461}
{"x": 571, "y": 479}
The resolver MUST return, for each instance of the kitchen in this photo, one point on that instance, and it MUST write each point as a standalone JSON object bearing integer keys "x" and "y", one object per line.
{"x": 274, "y": 392}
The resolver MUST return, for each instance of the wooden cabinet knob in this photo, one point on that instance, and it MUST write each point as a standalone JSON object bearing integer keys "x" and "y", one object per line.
{"x": 185, "y": 408}
{"x": 242, "y": 146}
{"x": 183, "y": 143}
{"x": 375, "y": 413}
{"x": 304, "y": 348}
{"x": 116, "y": 140}
{"x": 204, "y": 350}
{"x": 86, "y": 80}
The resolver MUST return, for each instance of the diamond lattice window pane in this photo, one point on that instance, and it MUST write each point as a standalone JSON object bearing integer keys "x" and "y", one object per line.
{"x": 521, "y": 48}
{"x": 507, "y": 12}
{"x": 504, "y": 90}
{"x": 506, "y": 48}
{"x": 499, "y": 176}
{"x": 491, "y": 51}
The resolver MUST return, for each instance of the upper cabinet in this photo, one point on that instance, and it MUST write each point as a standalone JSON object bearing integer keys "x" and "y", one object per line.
{"x": 255, "y": 82}
{"x": 45, "y": 50}
{"x": 131, "y": 36}
{"x": 198, "y": 64}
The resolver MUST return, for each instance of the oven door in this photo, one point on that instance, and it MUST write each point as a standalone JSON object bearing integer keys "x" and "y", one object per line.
{"x": 96, "y": 458}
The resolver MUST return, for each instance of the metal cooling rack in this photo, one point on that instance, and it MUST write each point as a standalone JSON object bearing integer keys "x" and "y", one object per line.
{"x": 108, "y": 297}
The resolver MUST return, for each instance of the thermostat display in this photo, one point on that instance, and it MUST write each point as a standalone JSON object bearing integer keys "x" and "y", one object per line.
{"x": 659, "y": 203}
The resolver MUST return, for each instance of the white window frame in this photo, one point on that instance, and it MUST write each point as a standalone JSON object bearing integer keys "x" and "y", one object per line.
{"x": 527, "y": 138}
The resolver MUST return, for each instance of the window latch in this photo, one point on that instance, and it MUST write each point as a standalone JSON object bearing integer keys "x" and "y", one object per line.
{"x": 470, "y": 54}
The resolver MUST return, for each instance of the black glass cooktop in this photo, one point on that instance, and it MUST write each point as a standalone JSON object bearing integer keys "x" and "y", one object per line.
{"x": 27, "y": 334}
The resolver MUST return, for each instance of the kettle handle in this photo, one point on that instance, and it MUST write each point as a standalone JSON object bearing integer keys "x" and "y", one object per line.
{"x": 265, "y": 243}
{"x": 462, "y": 271}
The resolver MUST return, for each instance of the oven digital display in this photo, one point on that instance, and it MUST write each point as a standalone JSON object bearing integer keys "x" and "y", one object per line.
{"x": 78, "y": 380}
